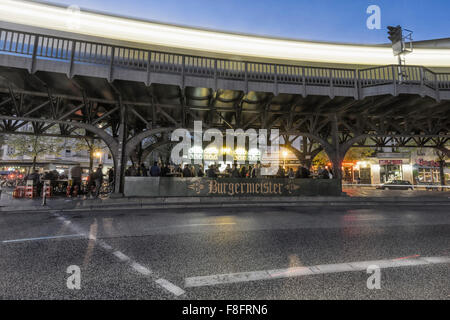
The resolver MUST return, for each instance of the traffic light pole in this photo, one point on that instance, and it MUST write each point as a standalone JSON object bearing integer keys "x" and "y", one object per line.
{"x": 400, "y": 69}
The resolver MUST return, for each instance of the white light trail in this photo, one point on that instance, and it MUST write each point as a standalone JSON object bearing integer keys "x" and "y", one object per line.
{"x": 123, "y": 29}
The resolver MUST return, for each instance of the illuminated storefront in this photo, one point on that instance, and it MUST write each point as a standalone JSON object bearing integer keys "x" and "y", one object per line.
{"x": 386, "y": 167}
{"x": 361, "y": 171}
{"x": 429, "y": 171}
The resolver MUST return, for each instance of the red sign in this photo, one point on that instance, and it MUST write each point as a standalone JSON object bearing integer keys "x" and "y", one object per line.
{"x": 424, "y": 163}
{"x": 390, "y": 162}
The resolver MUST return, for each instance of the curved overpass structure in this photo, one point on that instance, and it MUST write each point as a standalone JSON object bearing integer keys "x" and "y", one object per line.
{"x": 175, "y": 39}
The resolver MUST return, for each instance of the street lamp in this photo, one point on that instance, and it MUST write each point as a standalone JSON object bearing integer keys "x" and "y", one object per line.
{"x": 98, "y": 154}
{"x": 285, "y": 154}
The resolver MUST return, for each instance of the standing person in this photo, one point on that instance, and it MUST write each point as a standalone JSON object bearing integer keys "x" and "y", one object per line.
{"x": 258, "y": 170}
{"x": 90, "y": 184}
{"x": 98, "y": 180}
{"x": 299, "y": 172}
{"x": 165, "y": 170}
{"x": 132, "y": 171}
{"x": 75, "y": 173}
{"x": 325, "y": 174}
{"x": 243, "y": 172}
{"x": 253, "y": 172}
{"x": 187, "y": 171}
{"x": 249, "y": 172}
{"x": 281, "y": 173}
{"x": 211, "y": 172}
{"x": 111, "y": 178}
{"x": 330, "y": 174}
{"x": 306, "y": 172}
{"x": 234, "y": 171}
{"x": 155, "y": 171}
{"x": 192, "y": 171}
{"x": 36, "y": 181}
{"x": 228, "y": 171}
{"x": 144, "y": 170}
{"x": 200, "y": 172}
{"x": 291, "y": 174}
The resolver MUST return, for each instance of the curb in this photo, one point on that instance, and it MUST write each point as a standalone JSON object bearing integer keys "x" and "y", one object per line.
{"x": 179, "y": 203}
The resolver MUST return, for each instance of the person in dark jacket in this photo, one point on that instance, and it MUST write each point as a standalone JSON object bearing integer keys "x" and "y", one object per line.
{"x": 144, "y": 170}
{"x": 95, "y": 181}
{"x": 98, "y": 180}
{"x": 200, "y": 172}
{"x": 111, "y": 178}
{"x": 281, "y": 173}
{"x": 234, "y": 171}
{"x": 211, "y": 172}
{"x": 324, "y": 174}
{"x": 155, "y": 171}
{"x": 187, "y": 173}
{"x": 131, "y": 171}
{"x": 165, "y": 170}
{"x": 306, "y": 173}
{"x": 243, "y": 172}
{"x": 75, "y": 173}
{"x": 35, "y": 177}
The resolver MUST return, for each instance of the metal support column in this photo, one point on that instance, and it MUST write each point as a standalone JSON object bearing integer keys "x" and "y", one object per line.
{"x": 120, "y": 160}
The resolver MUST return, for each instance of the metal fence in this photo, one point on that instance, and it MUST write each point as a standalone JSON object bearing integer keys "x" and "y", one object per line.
{"x": 49, "y": 47}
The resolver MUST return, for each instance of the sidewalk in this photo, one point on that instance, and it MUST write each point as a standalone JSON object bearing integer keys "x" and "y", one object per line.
{"x": 9, "y": 204}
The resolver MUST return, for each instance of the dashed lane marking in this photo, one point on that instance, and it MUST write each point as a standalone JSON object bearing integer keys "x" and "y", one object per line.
{"x": 163, "y": 283}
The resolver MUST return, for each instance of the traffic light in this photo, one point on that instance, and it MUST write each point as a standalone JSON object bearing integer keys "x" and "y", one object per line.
{"x": 395, "y": 34}
{"x": 396, "y": 37}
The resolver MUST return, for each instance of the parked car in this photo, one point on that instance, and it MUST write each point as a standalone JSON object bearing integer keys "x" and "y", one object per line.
{"x": 397, "y": 185}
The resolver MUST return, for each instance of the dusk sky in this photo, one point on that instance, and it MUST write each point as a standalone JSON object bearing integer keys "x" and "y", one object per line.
{"x": 321, "y": 20}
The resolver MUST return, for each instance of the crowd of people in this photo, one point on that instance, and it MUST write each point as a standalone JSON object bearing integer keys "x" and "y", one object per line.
{"x": 96, "y": 178}
{"x": 212, "y": 171}
{"x": 91, "y": 188}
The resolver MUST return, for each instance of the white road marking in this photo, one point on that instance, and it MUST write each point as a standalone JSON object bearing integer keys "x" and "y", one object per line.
{"x": 141, "y": 269}
{"x": 202, "y": 224}
{"x": 163, "y": 283}
{"x": 104, "y": 245}
{"x": 121, "y": 256}
{"x": 44, "y": 238}
{"x": 307, "y": 271}
{"x": 170, "y": 287}
{"x": 193, "y": 225}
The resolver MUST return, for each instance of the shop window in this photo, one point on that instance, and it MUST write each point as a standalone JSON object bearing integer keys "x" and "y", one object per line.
{"x": 390, "y": 173}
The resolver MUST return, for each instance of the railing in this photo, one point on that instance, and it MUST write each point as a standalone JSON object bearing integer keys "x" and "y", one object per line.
{"x": 56, "y": 48}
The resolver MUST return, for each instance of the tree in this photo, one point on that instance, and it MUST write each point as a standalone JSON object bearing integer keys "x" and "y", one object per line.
{"x": 441, "y": 156}
{"x": 309, "y": 149}
{"x": 359, "y": 153}
{"x": 353, "y": 154}
{"x": 321, "y": 159}
{"x": 34, "y": 146}
{"x": 90, "y": 145}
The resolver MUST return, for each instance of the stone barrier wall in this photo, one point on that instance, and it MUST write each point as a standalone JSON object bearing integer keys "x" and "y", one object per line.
{"x": 229, "y": 187}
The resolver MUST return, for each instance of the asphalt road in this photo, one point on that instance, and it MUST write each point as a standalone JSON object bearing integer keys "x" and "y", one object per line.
{"x": 267, "y": 253}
